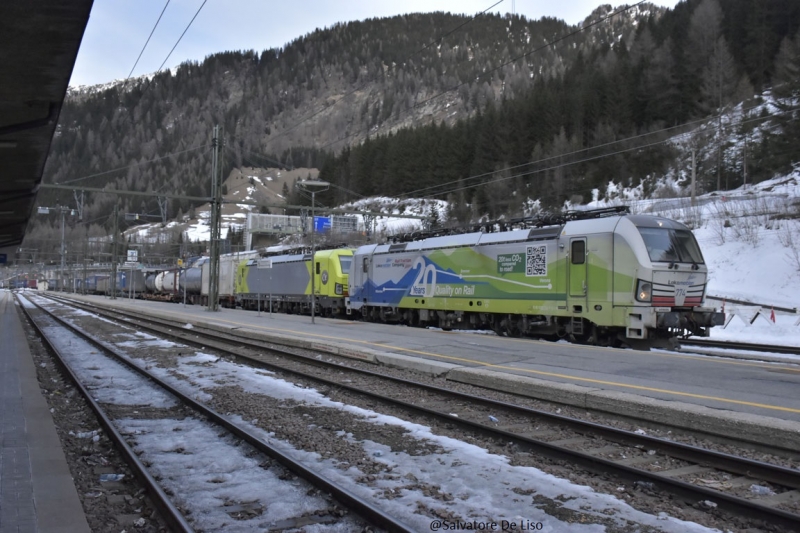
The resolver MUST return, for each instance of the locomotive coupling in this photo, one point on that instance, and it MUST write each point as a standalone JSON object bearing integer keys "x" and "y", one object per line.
{"x": 698, "y": 316}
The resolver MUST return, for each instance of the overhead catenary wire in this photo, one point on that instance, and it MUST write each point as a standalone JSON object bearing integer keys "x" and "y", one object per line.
{"x": 145, "y": 89}
{"x": 181, "y": 37}
{"x": 170, "y": 52}
{"x": 146, "y": 43}
{"x": 584, "y": 160}
{"x": 173, "y": 154}
{"x": 684, "y": 125}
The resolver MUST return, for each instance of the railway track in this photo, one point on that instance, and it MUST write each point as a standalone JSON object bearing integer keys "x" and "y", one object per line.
{"x": 128, "y": 428}
{"x": 690, "y": 343}
{"x": 764, "y": 492}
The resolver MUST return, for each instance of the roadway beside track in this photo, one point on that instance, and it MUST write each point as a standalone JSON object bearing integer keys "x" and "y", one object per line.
{"x": 732, "y": 398}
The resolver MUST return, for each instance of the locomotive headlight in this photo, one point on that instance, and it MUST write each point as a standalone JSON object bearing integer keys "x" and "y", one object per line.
{"x": 338, "y": 288}
{"x": 644, "y": 291}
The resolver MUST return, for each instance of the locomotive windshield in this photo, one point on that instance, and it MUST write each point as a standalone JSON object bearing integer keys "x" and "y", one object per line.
{"x": 671, "y": 245}
{"x": 345, "y": 262}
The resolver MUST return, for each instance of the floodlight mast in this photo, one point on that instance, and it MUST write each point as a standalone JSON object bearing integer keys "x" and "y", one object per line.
{"x": 313, "y": 186}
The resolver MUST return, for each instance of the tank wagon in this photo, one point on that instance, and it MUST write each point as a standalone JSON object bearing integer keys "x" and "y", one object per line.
{"x": 196, "y": 279}
{"x": 191, "y": 281}
{"x": 162, "y": 285}
{"x": 600, "y": 276}
{"x": 287, "y": 278}
{"x": 167, "y": 283}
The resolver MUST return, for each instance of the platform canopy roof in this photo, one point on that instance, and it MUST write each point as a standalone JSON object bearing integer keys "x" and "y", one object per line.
{"x": 38, "y": 47}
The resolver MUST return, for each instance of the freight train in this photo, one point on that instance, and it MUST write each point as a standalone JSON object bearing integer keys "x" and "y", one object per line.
{"x": 600, "y": 277}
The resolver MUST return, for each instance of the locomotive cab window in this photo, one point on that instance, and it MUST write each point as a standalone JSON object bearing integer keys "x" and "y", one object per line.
{"x": 578, "y": 252}
{"x": 673, "y": 245}
{"x": 344, "y": 262}
{"x": 365, "y": 265}
{"x": 318, "y": 269}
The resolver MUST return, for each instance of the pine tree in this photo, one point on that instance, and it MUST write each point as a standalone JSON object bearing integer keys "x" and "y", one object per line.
{"x": 785, "y": 149}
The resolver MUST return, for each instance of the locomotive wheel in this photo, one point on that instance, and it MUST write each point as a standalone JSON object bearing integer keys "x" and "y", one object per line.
{"x": 509, "y": 327}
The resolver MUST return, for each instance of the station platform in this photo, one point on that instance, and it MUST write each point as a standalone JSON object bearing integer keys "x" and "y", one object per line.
{"x": 37, "y": 493}
{"x": 730, "y": 397}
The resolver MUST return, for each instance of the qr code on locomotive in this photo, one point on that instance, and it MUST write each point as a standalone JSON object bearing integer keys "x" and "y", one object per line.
{"x": 536, "y": 261}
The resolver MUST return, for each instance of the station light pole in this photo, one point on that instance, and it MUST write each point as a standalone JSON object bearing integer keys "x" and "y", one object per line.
{"x": 313, "y": 186}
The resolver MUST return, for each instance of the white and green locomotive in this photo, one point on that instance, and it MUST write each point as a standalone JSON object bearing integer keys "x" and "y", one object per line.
{"x": 601, "y": 276}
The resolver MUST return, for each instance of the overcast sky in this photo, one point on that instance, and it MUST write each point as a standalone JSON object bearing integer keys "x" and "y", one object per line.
{"x": 118, "y": 29}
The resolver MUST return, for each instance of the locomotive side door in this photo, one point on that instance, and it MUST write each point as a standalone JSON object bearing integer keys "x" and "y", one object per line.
{"x": 320, "y": 273}
{"x": 577, "y": 264}
{"x": 366, "y": 277}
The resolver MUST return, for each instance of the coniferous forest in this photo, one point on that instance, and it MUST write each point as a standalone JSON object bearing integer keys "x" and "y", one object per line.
{"x": 486, "y": 113}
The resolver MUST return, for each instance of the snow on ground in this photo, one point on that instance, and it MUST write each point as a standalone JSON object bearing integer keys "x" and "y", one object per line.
{"x": 486, "y": 487}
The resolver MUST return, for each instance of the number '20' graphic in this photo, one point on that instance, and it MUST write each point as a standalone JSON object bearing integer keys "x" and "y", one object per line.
{"x": 425, "y": 282}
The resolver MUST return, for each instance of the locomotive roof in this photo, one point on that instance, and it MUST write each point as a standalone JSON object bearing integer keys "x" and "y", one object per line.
{"x": 650, "y": 221}
{"x": 467, "y": 239}
{"x": 541, "y": 226}
{"x": 283, "y": 258}
{"x": 287, "y": 258}
{"x": 593, "y": 226}
{"x": 579, "y": 226}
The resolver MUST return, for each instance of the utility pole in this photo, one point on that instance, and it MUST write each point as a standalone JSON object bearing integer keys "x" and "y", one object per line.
{"x": 694, "y": 177}
{"x": 313, "y": 186}
{"x": 745, "y": 160}
{"x": 63, "y": 254}
{"x": 85, "y": 245}
{"x": 162, "y": 207}
{"x": 114, "y": 253}
{"x": 213, "y": 265}
{"x": 368, "y": 225}
{"x": 79, "y": 203}
{"x": 719, "y": 124}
